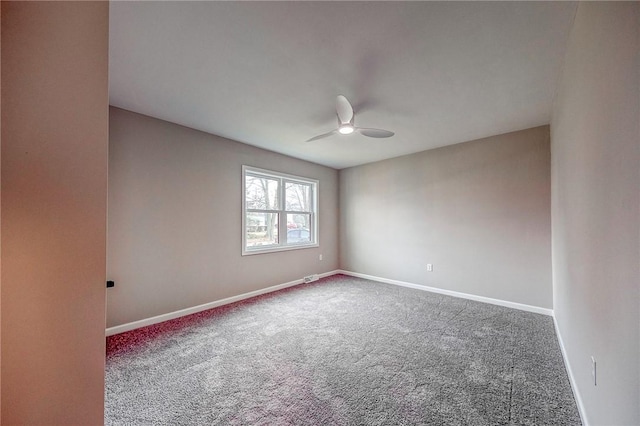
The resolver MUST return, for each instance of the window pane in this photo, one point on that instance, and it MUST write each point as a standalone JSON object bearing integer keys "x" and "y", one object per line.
{"x": 261, "y": 193}
{"x": 261, "y": 229}
{"x": 298, "y": 197}
{"x": 298, "y": 226}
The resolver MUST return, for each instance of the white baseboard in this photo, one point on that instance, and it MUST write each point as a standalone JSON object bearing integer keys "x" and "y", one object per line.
{"x": 188, "y": 311}
{"x": 514, "y": 305}
{"x": 574, "y": 387}
{"x": 195, "y": 309}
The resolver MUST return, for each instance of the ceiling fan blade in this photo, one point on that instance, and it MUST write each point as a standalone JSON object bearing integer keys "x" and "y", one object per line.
{"x": 324, "y": 135}
{"x": 374, "y": 133}
{"x": 344, "y": 109}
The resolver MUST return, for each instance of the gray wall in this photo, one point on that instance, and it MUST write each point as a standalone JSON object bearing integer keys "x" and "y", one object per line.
{"x": 595, "y": 209}
{"x": 54, "y": 211}
{"x": 478, "y": 211}
{"x": 175, "y": 236}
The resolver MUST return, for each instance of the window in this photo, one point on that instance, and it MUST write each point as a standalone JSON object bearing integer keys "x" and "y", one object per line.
{"x": 278, "y": 211}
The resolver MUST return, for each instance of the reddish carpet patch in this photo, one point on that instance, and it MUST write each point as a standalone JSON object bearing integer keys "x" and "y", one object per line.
{"x": 141, "y": 337}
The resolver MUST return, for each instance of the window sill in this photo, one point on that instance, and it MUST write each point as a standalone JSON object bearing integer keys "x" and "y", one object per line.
{"x": 250, "y": 252}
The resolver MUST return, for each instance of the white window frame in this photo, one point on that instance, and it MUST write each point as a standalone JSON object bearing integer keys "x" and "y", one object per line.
{"x": 283, "y": 178}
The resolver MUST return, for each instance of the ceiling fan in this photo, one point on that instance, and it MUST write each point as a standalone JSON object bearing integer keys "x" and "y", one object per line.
{"x": 345, "y": 123}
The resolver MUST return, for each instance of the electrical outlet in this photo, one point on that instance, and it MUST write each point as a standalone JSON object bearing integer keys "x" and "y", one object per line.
{"x": 429, "y": 267}
{"x": 320, "y": 257}
{"x": 594, "y": 371}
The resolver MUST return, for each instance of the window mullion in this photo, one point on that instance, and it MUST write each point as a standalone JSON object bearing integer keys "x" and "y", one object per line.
{"x": 282, "y": 216}
{"x": 262, "y": 211}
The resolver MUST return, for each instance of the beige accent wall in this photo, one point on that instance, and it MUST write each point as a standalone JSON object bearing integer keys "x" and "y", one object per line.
{"x": 596, "y": 209}
{"x": 0, "y": 217}
{"x": 478, "y": 211}
{"x": 54, "y": 193}
{"x": 175, "y": 235}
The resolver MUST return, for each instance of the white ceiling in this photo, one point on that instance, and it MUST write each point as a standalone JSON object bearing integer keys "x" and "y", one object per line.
{"x": 267, "y": 73}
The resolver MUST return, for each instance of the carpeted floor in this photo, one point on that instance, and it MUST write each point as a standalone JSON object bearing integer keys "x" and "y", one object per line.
{"x": 342, "y": 351}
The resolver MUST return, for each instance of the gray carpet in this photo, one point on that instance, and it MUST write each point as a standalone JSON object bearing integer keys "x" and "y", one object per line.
{"x": 342, "y": 351}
